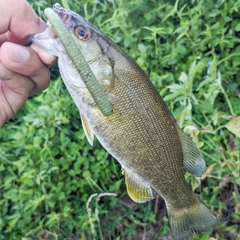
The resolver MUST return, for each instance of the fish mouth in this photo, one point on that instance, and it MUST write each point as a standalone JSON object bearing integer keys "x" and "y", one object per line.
{"x": 66, "y": 16}
{"x": 62, "y": 12}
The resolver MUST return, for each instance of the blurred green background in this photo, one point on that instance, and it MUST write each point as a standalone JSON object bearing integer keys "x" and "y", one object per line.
{"x": 48, "y": 171}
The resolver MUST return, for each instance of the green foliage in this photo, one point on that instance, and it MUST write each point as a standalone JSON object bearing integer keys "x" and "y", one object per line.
{"x": 48, "y": 170}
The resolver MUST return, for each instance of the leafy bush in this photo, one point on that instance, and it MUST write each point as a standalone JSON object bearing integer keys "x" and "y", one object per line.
{"x": 49, "y": 171}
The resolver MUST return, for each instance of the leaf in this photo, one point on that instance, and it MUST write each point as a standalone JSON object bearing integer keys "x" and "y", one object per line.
{"x": 234, "y": 126}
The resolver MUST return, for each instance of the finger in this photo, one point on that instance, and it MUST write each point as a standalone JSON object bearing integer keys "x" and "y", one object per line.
{"x": 46, "y": 57}
{"x": 9, "y": 37}
{"x": 3, "y": 38}
{"x": 12, "y": 38}
{"x": 14, "y": 91}
{"x": 25, "y": 61}
{"x": 13, "y": 84}
{"x": 20, "y": 19}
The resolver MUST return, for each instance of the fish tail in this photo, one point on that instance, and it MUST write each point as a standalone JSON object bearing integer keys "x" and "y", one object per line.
{"x": 185, "y": 221}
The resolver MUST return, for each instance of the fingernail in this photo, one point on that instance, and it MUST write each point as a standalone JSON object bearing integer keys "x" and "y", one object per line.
{"x": 17, "y": 53}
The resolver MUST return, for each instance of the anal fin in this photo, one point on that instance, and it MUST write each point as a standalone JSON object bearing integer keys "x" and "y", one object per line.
{"x": 193, "y": 161}
{"x": 87, "y": 129}
{"x": 138, "y": 190}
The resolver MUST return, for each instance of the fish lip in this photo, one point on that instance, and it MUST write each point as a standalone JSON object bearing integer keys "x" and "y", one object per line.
{"x": 66, "y": 16}
{"x": 62, "y": 12}
{"x": 57, "y": 8}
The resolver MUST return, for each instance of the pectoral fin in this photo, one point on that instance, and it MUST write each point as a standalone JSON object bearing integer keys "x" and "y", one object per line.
{"x": 87, "y": 129}
{"x": 138, "y": 190}
{"x": 193, "y": 161}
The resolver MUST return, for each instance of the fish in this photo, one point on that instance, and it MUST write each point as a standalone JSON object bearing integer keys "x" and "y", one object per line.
{"x": 141, "y": 133}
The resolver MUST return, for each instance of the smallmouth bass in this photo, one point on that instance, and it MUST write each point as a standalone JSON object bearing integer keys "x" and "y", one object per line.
{"x": 141, "y": 134}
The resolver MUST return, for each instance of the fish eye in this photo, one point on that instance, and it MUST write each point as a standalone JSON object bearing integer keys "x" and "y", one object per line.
{"x": 82, "y": 34}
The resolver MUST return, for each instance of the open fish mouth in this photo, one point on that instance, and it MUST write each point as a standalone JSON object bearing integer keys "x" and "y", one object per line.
{"x": 62, "y": 12}
{"x": 66, "y": 16}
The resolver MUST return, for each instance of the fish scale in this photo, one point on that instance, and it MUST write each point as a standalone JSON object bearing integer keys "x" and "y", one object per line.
{"x": 141, "y": 133}
{"x": 136, "y": 129}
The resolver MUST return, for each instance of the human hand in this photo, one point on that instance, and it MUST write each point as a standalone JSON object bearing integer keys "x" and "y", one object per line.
{"x": 23, "y": 70}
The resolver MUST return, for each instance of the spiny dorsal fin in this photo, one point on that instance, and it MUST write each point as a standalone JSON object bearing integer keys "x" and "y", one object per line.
{"x": 138, "y": 190}
{"x": 87, "y": 129}
{"x": 193, "y": 161}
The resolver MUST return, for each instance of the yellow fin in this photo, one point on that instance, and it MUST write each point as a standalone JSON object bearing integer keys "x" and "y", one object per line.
{"x": 87, "y": 129}
{"x": 138, "y": 190}
{"x": 193, "y": 161}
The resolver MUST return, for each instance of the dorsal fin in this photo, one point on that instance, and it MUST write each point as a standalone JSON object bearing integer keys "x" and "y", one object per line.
{"x": 138, "y": 190}
{"x": 87, "y": 129}
{"x": 193, "y": 161}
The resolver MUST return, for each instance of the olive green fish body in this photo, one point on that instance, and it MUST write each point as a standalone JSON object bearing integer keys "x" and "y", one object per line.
{"x": 141, "y": 134}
